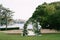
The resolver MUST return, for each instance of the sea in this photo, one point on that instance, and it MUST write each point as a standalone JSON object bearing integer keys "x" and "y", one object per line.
{"x": 17, "y": 25}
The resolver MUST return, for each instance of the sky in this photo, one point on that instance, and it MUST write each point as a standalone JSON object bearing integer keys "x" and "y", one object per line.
{"x": 23, "y": 8}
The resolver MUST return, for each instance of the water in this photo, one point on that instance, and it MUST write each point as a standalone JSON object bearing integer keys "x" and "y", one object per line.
{"x": 18, "y": 25}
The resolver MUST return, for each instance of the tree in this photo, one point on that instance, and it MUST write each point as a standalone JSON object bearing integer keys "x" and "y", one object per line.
{"x": 5, "y": 16}
{"x": 48, "y": 15}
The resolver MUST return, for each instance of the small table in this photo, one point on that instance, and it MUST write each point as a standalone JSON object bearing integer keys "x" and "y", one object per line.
{"x": 31, "y": 33}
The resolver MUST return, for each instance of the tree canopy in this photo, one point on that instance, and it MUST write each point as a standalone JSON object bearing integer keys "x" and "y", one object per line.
{"x": 48, "y": 14}
{"x": 5, "y": 13}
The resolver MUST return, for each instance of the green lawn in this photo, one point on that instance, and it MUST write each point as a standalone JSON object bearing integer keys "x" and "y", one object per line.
{"x": 18, "y": 37}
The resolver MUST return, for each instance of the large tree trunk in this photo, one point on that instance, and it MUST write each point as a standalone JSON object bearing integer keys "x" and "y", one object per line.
{"x": 6, "y": 20}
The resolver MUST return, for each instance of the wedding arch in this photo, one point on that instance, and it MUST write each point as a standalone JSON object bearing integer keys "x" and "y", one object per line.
{"x": 36, "y": 27}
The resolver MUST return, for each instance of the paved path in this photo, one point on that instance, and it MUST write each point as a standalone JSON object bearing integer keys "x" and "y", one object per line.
{"x": 30, "y": 32}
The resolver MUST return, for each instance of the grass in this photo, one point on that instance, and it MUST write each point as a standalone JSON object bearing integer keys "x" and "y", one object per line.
{"x": 4, "y": 36}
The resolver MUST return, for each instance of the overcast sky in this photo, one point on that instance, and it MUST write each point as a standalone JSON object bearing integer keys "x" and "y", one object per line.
{"x": 23, "y": 8}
